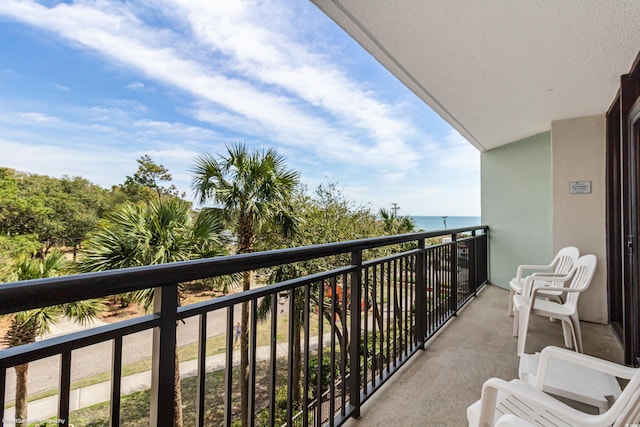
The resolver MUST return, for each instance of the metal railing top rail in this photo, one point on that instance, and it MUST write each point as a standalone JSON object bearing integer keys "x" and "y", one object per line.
{"x": 30, "y": 294}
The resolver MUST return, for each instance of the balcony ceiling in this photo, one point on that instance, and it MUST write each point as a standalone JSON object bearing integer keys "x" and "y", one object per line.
{"x": 499, "y": 71}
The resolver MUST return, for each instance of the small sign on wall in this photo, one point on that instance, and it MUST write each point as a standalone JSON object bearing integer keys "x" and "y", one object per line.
{"x": 580, "y": 187}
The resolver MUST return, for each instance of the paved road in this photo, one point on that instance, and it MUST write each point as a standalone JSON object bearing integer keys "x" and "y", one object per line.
{"x": 88, "y": 361}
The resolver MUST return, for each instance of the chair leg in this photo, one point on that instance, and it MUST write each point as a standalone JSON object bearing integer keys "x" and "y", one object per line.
{"x": 577, "y": 335}
{"x": 567, "y": 332}
{"x": 523, "y": 325}
{"x": 557, "y": 299}
{"x": 516, "y": 316}
{"x": 510, "y": 309}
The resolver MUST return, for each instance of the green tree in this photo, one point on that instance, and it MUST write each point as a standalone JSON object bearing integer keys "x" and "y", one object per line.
{"x": 20, "y": 210}
{"x": 250, "y": 189}
{"x": 162, "y": 231}
{"x": 80, "y": 205}
{"x": 25, "y": 326}
{"x": 149, "y": 176}
{"x": 13, "y": 247}
{"x": 57, "y": 211}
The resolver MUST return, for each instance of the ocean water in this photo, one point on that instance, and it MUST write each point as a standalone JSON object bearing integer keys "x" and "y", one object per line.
{"x": 433, "y": 223}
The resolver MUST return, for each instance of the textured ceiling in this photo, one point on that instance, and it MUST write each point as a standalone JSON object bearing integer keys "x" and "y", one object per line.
{"x": 499, "y": 70}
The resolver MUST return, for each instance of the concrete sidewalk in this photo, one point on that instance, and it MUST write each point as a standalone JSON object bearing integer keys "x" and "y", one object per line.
{"x": 42, "y": 409}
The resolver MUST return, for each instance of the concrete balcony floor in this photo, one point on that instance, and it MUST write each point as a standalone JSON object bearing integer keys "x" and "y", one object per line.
{"x": 437, "y": 385}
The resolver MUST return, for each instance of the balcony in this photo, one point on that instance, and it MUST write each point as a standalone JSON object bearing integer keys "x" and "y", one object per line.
{"x": 435, "y": 387}
{"x": 370, "y": 319}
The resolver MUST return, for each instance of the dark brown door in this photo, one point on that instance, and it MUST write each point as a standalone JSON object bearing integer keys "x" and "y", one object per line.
{"x": 623, "y": 215}
{"x": 631, "y": 283}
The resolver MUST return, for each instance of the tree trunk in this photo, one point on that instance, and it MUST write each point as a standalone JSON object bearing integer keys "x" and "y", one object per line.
{"x": 21, "y": 394}
{"x": 177, "y": 399}
{"x": 330, "y": 316}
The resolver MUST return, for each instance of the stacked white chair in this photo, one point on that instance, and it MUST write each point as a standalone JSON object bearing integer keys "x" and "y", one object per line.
{"x": 529, "y": 303}
{"x": 560, "y": 265}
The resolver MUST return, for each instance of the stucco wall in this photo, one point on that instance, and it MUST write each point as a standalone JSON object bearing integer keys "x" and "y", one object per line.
{"x": 579, "y": 154}
{"x": 517, "y": 205}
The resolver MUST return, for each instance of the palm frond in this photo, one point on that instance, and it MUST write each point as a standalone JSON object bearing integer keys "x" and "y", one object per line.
{"x": 83, "y": 312}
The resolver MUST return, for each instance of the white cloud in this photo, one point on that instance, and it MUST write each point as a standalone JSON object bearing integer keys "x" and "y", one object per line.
{"x": 264, "y": 55}
{"x": 246, "y": 74}
{"x": 141, "y": 87}
{"x": 271, "y": 59}
{"x": 37, "y": 117}
{"x": 60, "y": 87}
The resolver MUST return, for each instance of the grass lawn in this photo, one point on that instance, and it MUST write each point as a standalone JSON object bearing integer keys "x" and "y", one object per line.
{"x": 135, "y": 407}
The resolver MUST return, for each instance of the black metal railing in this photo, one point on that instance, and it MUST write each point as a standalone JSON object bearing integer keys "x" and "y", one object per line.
{"x": 327, "y": 343}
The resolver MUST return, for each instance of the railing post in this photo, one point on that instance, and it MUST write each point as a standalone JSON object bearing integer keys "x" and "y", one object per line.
{"x": 473, "y": 262}
{"x": 453, "y": 279}
{"x": 356, "y": 339}
{"x": 165, "y": 305}
{"x": 3, "y": 381}
{"x": 421, "y": 296}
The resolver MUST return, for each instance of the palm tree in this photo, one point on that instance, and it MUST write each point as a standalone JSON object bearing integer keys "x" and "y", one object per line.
{"x": 26, "y": 326}
{"x": 250, "y": 190}
{"x": 394, "y": 224}
{"x": 162, "y": 231}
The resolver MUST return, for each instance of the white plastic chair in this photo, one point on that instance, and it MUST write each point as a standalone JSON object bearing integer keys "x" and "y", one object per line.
{"x": 572, "y": 381}
{"x": 560, "y": 265}
{"x": 529, "y": 405}
{"x": 528, "y": 303}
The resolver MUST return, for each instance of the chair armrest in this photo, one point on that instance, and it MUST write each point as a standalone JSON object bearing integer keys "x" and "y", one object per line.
{"x": 522, "y": 268}
{"x": 585, "y": 360}
{"x": 548, "y": 275}
{"x": 533, "y": 398}
{"x": 540, "y": 289}
{"x": 529, "y": 283}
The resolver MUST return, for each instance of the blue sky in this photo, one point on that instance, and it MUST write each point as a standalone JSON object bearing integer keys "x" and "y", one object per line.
{"x": 87, "y": 87}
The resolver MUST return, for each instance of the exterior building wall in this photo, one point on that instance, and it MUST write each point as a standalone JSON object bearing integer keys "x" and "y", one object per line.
{"x": 578, "y": 149}
{"x": 517, "y": 205}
